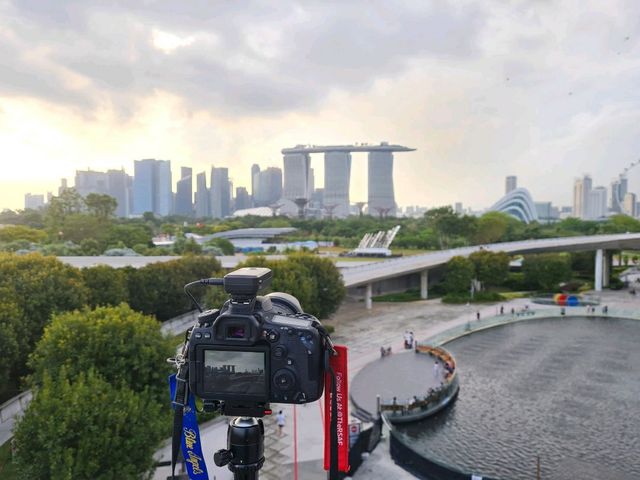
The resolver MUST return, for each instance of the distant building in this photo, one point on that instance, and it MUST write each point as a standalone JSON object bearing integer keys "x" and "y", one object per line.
{"x": 268, "y": 187}
{"x": 255, "y": 172}
{"x": 202, "y": 208}
{"x": 382, "y": 200}
{"x": 242, "y": 200}
{"x": 33, "y": 201}
{"x": 88, "y": 181}
{"x": 519, "y": 204}
{"x": 597, "y": 204}
{"x": 220, "y": 193}
{"x": 184, "y": 193}
{"x": 152, "y": 190}
{"x": 296, "y": 175}
{"x": 618, "y": 191}
{"x": 337, "y": 175}
{"x": 458, "y": 208}
{"x": 119, "y": 187}
{"x": 629, "y": 204}
{"x": 511, "y": 183}
{"x": 63, "y": 186}
{"x": 581, "y": 191}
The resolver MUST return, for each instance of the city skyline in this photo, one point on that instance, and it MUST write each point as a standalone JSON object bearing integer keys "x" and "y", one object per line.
{"x": 543, "y": 91}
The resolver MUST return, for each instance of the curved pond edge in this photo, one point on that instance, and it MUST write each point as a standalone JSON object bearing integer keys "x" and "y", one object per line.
{"x": 420, "y": 465}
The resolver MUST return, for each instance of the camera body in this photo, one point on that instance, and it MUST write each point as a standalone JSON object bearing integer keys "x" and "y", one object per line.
{"x": 256, "y": 349}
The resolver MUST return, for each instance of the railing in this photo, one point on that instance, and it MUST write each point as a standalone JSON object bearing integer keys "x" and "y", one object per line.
{"x": 435, "y": 399}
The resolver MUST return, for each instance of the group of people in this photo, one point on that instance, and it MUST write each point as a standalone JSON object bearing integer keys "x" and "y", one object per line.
{"x": 408, "y": 340}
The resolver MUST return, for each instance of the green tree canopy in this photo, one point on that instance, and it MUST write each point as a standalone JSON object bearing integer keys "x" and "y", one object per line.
{"x": 106, "y": 286}
{"x": 100, "y": 205}
{"x": 11, "y": 233}
{"x": 458, "y": 275}
{"x": 85, "y": 428}
{"x": 491, "y": 268}
{"x": 124, "y": 347}
{"x": 225, "y": 246}
{"x": 546, "y": 270}
{"x": 492, "y": 227}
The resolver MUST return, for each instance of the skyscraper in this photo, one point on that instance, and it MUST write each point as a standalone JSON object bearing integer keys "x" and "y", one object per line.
{"x": 511, "y": 183}
{"x": 268, "y": 187}
{"x": 581, "y": 191}
{"x": 152, "y": 187}
{"x": 296, "y": 175}
{"x": 184, "y": 193}
{"x": 119, "y": 187}
{"x": 618, "y": 191}
{"x": 337, "y": 175}
{"x": 33, "y": 202}
{"x": 629, "y": 204}
{"x": 597, "y": 204}
{"x": 382, "y": 199}
{"x": 220, "y": 193}
{"x": 88, "y": 181}
{"x": 202, "y": 196}
{"x": 242, "y": 200}
{"x": 255, "y": 171}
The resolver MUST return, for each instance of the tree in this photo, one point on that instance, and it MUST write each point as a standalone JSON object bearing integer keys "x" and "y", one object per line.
{"x": 327, "y": 284}
{"x": 225, "y": 246}
{"x": 125, "y": 347}
{"x": 621, "y": 224}
{"x": 100, "y": 205}
{"x": 67, "y": 203}
{"x": 37, "y": 287}
{"x": 546, "y": 270}
{"x": 492, "y": 227}
{"x": 129, "y": 235}
{"x": 491, "y": 268}
{"x": 11, "y": 233}
{"x": 157, "y": 288}
{"x": 447, "y": 224}
{"x": 106, "y": 285}
{"x": 315, "y": 282}
{"x": 85, "y": 428}
{"x": 10, "y": 331}
{"x": 458, "y": 275}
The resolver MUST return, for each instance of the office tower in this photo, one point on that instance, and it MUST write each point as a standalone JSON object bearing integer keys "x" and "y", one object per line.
{"x": 597, "y": 204}
{"x": 184, "y": 193}
{"x": 33, "y": 202}
{"x": 88, "y": 181}
{"x": 337, "y": 175}
{"x": 202, "y": 196}
{"x": 296, "y": 175}
{"x": 629, "y": 204}
{"x": 511, "y": 183}
{"x": 255, "y": 172}
{"x": 63, "y": 186}
{"x": 242, "y": 200}
{"x": 268, "y": 187}
{"x": 458, "y": 208}
{"x": 152, "y": 187}
{"x": 382, "y": 199}
{"x": 618, "y": 191}
{"x": 119, "y": 187}
{"x": 219, "y": 193}
{"x": 581, "y": 191}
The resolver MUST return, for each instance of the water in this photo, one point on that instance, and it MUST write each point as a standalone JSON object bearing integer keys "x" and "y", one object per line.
{"x": 567, "y": 390}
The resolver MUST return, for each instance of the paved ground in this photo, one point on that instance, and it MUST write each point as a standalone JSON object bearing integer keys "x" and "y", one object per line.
{"x": 364, "y": 332}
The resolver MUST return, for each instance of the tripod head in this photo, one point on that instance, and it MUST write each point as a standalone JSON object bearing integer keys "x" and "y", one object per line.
{"x": 245, "y": 448}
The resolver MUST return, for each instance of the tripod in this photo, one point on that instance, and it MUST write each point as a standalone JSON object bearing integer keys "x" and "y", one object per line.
{"x": 245, "y": 448}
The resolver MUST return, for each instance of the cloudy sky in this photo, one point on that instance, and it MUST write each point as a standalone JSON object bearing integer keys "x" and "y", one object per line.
{"x": 547, "y": 90}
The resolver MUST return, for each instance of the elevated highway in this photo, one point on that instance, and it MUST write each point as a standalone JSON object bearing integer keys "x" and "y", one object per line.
{"x": 367, "y": 275}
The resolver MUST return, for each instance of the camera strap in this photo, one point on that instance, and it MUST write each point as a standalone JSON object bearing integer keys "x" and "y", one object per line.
{"x": 336, "y": 401}
{"x": 186, "y": 433}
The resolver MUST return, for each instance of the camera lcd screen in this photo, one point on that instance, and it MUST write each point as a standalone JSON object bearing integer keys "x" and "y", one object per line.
{"x": 235, "y": 372}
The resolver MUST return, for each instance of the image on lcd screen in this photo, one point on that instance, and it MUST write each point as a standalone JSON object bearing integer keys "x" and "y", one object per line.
{"x": 233, "y": 372}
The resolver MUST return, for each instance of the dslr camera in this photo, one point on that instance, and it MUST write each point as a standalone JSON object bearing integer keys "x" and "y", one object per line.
{"x": 255, "y": 349}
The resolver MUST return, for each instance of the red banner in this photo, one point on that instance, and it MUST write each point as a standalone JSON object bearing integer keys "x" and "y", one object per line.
{"x": 339, "y": 364}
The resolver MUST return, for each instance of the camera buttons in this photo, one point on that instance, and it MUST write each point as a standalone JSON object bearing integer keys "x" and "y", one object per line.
{"x": 198, "y": 335}
{"x": 272, "y": 336}
{"x": 279, "y": 351}
{"x": 284, "y": 379}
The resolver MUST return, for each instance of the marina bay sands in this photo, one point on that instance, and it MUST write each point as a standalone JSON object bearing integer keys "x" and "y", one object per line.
{"x": 337, "y": 175}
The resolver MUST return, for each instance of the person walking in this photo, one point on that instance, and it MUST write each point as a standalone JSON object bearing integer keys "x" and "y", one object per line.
{"x": 478, "y": 315}
{"x": 280, "y": 420}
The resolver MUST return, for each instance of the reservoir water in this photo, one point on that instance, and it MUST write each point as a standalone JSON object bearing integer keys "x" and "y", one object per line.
{"x": 566, "y": 390}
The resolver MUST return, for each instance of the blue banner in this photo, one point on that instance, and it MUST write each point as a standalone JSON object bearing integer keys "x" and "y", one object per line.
{"x": 190, "y": 438}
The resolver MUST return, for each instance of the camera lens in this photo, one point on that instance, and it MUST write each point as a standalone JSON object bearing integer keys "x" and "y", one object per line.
{"x": 235, "y": 331}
